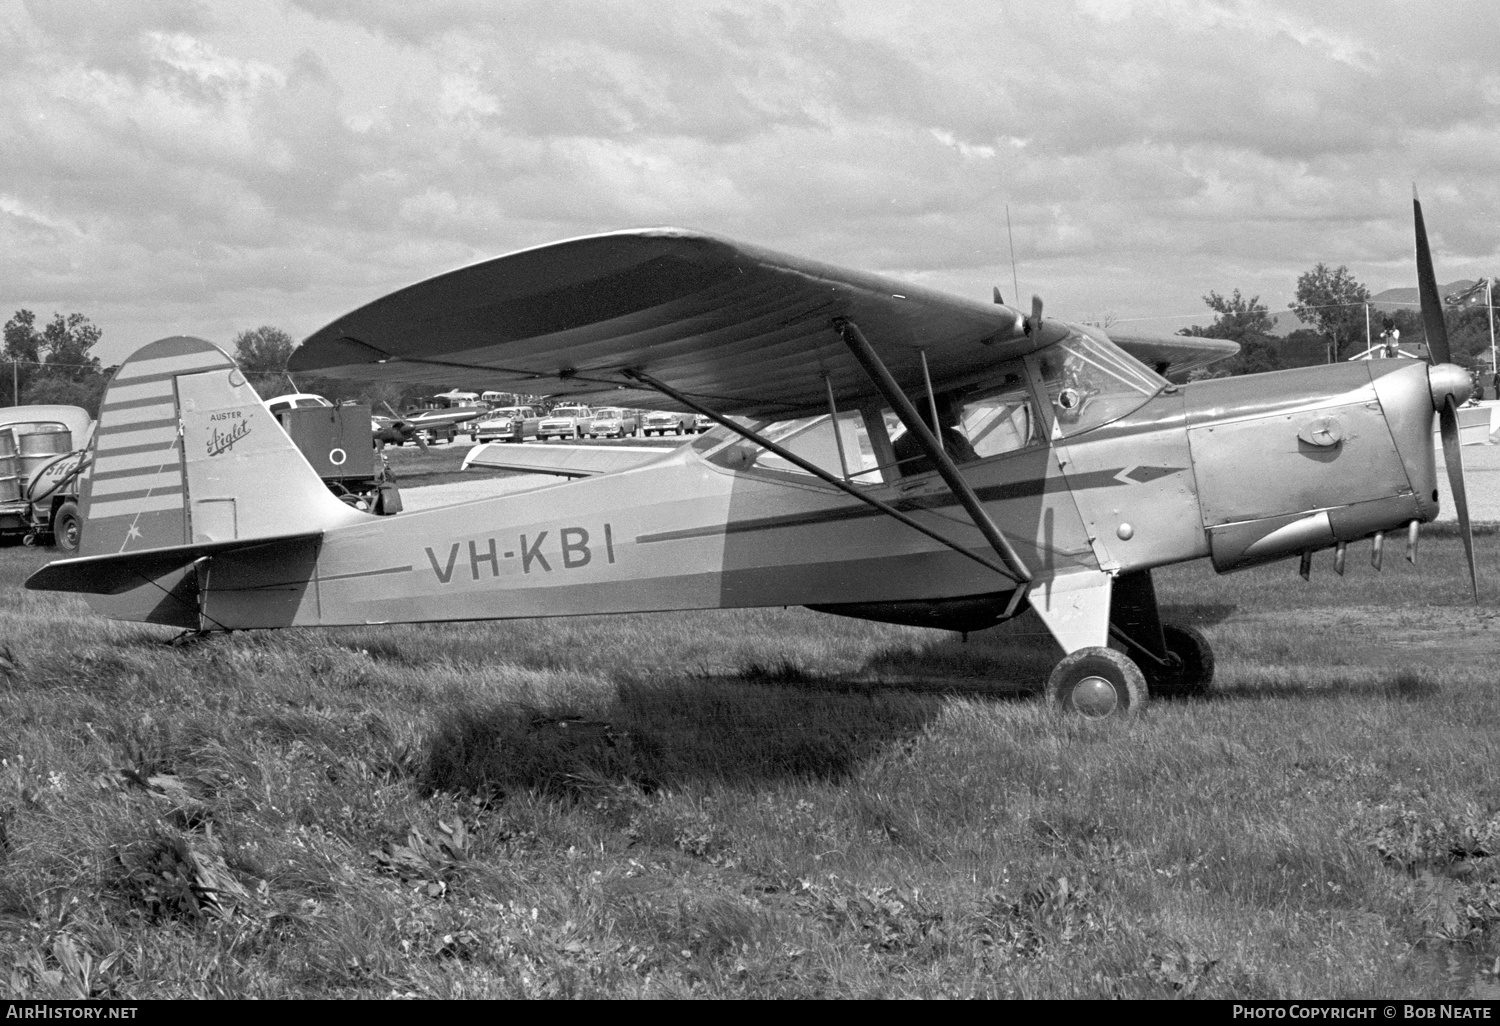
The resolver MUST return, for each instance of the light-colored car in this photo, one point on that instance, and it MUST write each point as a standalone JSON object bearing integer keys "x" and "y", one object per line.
{"x": 565, "y": 422}
{"x": 701, "y": 423}
{"x": 508, "y": 424}
{"x": 613, "y": 422}
{"x": 661, "y": 422}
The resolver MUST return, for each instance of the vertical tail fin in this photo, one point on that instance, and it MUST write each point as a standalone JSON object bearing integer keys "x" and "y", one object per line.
{"x": 188, "y": 464}
{"x": 186, "y": 454}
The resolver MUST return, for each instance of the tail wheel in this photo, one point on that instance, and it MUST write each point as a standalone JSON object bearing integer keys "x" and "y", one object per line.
{"x": 1192, "y": 669}
{"x": 67, "y": 527}
{"x": 1097, "y": 684}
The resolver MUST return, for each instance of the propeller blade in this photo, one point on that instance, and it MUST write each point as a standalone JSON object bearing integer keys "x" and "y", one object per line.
{"x": 1453, "y": 455}
{"x": 1036, "y": 314}
{"x": 1432, "y": 303}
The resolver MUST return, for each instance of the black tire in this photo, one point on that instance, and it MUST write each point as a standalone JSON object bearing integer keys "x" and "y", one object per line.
{"x": 1192, "y": 670}
{"x": 1097, "y": 684}
{"x": 67, "y": 527}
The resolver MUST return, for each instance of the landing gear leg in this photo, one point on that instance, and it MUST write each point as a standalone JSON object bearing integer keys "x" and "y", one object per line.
{"x": 1176, "y": 660}
{"x": 1093, "y": 680}
{"x": 1193, "y": 659}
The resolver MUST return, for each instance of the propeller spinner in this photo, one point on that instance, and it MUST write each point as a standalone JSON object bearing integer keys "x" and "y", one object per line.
{"x": 1450, "y": 384}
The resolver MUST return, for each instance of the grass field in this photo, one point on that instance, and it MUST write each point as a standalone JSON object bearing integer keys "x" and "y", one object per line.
{"x": 769, "y": 803}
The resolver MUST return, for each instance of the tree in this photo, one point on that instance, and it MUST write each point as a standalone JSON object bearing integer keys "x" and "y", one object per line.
{"x": 48, "y": 390}
{"x": 58, "y": 355}
{"x": 1469, "y": 328}
{"x": 1334, "y": 302}
{"x": 22, "y": 340}
{"x": 1246, "y": 321}
{"x": 23, "y": 347}
{"x": 68, "y": 340}
{"x": 262, "y": 354}
{"x": 265, "y": 350}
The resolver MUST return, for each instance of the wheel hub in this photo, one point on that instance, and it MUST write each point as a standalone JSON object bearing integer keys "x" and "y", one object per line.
{"x": 1095, "y": 697}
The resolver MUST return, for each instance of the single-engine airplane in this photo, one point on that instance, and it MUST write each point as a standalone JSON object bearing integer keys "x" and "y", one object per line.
{"x": 882, "y": 451}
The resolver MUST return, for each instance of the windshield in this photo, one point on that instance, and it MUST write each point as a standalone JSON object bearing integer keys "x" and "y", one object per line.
{"x": 605, "y": 414}
{"x": 1090, "y": 382}
{"x": 570, "y": 411}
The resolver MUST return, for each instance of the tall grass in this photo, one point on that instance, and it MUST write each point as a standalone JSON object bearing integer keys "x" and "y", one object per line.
{"x": 769, "y": 803}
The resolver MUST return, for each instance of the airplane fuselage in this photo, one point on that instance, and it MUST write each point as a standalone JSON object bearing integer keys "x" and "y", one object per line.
{"x": 1214, "y": 468}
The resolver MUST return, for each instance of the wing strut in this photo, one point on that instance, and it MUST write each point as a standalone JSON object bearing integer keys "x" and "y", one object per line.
{"x": 870, "y": 360}
{"x": 825, "y": 476}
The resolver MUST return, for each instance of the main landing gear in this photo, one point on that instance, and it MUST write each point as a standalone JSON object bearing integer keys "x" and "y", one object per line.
{"x": 1098, "y": 682}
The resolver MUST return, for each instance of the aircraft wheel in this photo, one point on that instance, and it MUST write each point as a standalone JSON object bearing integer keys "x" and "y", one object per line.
{"x": 67, "y": 527}
{"x": 1192, "y": 671}
{"x": 1097, "y": 684}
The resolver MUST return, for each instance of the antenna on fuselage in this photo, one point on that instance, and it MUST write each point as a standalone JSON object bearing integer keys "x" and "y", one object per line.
{"x": 1015, "y": 287}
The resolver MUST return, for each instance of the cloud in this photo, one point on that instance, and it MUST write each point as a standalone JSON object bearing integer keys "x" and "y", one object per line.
{"x": 208, "y": 166}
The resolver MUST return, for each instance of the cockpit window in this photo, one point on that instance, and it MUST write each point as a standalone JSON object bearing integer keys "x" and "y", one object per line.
{"x": 1089, "y": 382}
{"x": 1000, "y": 419}
{"x": 811, "y": 438}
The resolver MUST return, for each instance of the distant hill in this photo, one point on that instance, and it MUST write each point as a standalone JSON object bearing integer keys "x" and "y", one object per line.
{"x": 1396, "y": 299}
{"x": 1381, "y": 302}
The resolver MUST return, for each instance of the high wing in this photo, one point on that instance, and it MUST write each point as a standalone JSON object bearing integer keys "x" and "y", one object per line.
{"x": 740, "y": 328}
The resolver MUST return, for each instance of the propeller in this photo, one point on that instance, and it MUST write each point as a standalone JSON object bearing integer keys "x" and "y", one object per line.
{"x": 1446, "y": 381}
{"x": 416, "y": 436}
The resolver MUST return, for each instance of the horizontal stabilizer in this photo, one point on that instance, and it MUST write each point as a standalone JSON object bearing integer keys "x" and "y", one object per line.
{"x": 116, "y": 574}
{"x": 563, "y": 460}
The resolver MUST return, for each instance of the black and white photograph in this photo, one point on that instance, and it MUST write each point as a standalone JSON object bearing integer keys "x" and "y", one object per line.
{"x": 750, "y": 499}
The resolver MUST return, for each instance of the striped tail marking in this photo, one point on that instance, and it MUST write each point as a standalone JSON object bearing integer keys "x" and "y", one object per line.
{"x": 135, "y": 497}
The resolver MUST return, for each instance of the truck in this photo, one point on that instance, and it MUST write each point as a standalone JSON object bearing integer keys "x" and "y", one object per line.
{"x": 339, "y": 443}
{"x": 44, "y": 451}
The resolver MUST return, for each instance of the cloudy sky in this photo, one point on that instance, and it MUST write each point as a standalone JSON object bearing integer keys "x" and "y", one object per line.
{"x": 177, "y": 166}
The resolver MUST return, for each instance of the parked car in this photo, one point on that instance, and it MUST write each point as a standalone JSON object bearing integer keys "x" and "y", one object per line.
{"x": 661, "y": 422}
{"x": 613, "y": 422}
{"x": 701, "y": 423}
{"x": 565, "y": 422}
{"x": 507, "y": 424}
